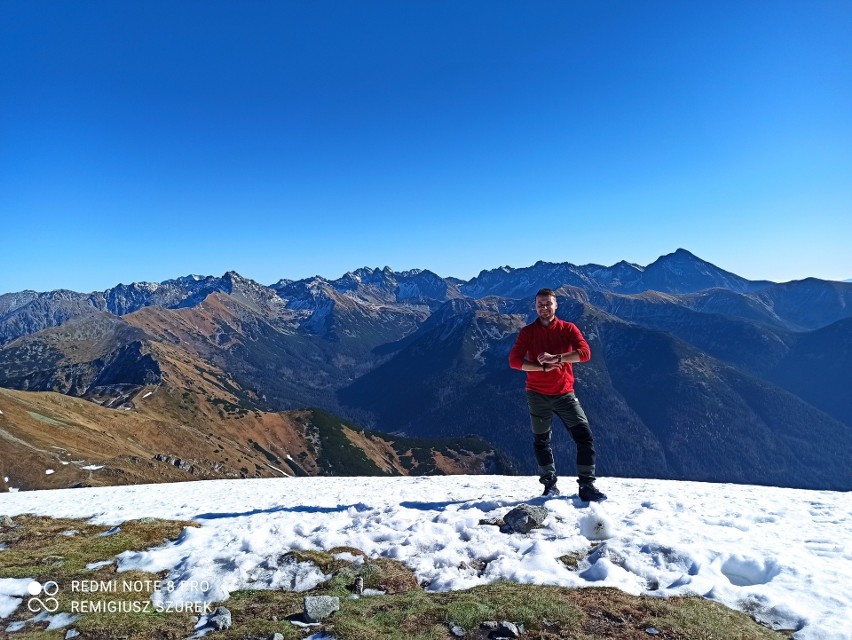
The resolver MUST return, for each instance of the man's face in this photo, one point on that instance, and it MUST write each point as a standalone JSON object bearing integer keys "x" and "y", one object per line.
{"x": 545, "y": 306}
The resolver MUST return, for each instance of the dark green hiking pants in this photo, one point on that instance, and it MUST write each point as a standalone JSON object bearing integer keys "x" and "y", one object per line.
{"x": 567, "y": 407}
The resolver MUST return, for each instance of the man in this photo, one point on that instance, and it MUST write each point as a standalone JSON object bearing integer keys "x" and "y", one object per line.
{"x": 546, "y": 350}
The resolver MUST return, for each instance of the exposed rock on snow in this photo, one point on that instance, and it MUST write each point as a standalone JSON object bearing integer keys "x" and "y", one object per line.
{"x": 523, "y": 519}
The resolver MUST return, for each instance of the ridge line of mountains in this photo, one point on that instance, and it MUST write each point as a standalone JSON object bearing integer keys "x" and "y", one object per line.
{"x": 696, "y": 373}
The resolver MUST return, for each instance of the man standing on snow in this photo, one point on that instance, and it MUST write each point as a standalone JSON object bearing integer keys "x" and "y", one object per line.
{"x": 546, "y": 349}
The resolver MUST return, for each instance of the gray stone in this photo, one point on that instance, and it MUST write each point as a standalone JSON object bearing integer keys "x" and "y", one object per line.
{"x": 457, "y": 631}
{"x": 220, "y": 620}
{"x": 319, "y": 607}
{"x": 523, "y": 519}
{"x": 276, "y": 636}
{"x": 6, "y": 522}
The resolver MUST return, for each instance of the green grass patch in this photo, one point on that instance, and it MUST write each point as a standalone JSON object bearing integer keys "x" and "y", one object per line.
{"x": 700, "y": 619}
{"x": 57, "y": 548}
{"x": 60, "y": 549}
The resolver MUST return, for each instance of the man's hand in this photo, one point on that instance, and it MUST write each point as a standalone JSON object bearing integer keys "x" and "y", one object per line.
{"x": 533, "y": 365}
{"x": 549, "y": 358}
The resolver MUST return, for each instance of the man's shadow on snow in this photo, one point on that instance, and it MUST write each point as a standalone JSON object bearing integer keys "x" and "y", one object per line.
{"x": 486, "y": 505}
{"x": 481, "y": 504}
{"x": 359, "y": 507}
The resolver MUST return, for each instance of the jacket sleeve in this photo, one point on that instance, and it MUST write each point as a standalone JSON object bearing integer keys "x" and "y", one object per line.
{"x": 579, "y": 343}
{"x": 519, "y": 351}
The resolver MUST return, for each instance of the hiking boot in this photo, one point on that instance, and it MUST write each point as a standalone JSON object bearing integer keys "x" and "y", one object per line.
{"x": 549, "y": 482}
{"x": 589, "y": 493}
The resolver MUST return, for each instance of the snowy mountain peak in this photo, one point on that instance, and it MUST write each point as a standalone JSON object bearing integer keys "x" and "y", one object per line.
{"x": 631, "y": 266}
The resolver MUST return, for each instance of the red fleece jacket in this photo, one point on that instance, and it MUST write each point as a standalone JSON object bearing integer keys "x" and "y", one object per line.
{"x": 558, "y": 337}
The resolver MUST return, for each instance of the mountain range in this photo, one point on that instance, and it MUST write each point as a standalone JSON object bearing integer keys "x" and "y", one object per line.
{"x": 696, "y": 373}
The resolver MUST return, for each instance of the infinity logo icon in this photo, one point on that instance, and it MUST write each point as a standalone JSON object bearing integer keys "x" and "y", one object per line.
{"x": 49, "y": 604}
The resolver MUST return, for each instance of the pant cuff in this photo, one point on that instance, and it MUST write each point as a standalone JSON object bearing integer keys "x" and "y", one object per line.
{"x": 549, "y": 468}
{"x": 586, "y": 471}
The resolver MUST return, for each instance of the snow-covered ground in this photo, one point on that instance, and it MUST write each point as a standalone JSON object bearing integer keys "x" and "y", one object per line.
{"x": 783, "y": 555}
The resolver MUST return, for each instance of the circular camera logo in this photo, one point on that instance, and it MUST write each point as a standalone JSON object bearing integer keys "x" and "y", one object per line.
{"x": 49, "y": 589}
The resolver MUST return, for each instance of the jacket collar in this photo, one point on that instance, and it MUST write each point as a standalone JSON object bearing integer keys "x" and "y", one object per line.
{"x": 553, "y": 324}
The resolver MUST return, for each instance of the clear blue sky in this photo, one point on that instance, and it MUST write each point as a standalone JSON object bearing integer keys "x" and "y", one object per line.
{"x": 146, "y": 140}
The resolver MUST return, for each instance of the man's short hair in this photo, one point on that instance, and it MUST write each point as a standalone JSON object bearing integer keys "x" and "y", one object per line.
{"x": 545, "y": 292}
